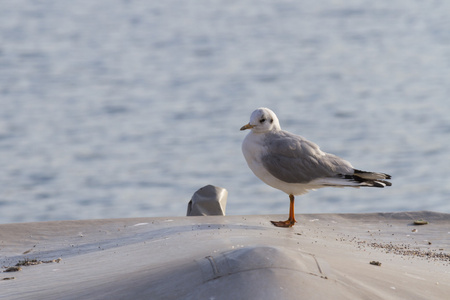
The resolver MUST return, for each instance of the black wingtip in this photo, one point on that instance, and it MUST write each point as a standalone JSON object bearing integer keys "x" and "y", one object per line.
{"x": 371, "y": 179}
{"x": 371, "y": 175}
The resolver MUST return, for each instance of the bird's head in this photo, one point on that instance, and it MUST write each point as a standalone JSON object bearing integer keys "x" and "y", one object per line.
{"x": 262, "y": 120}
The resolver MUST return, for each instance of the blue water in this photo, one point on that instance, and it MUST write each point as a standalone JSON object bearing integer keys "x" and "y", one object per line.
{"x": 113, "y": 109}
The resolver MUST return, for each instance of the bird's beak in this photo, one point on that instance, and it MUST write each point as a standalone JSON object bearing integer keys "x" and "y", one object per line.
{"x": 247, "y": 126}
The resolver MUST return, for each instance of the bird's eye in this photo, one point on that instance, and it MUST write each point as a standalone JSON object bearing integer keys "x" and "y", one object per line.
{"x": 262, "y": 120}
{"x": 271, "y": 121}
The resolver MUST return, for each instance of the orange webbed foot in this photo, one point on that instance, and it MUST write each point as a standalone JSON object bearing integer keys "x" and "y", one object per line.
{"x": 287, "y": 224}
{"x": 291, "y": 220}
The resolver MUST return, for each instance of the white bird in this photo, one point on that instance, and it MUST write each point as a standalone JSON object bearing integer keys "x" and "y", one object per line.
{"x": 294, "y": 165}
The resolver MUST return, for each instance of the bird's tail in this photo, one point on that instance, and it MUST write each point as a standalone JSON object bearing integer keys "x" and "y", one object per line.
{"x": 370, "y": 178}
{"x": 357, "y": 179}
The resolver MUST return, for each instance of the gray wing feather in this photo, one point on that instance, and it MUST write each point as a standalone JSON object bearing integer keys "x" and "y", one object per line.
{"x": 294, "y": 159}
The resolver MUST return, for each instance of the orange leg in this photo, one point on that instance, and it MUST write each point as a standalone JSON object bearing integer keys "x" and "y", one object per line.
{"x": 291, "y": 220}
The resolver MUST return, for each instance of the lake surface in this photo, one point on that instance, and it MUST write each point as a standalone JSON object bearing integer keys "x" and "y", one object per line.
{"x": 112, "y": 109}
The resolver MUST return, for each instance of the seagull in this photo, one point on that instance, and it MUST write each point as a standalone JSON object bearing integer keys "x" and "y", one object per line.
{"x": 294, "y": 165}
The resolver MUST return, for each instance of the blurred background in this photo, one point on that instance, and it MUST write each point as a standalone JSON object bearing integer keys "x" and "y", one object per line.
{"x": 122, "y": 108}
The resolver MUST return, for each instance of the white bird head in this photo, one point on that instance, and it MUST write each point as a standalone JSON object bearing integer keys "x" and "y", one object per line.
{"x": 262, "y": 120}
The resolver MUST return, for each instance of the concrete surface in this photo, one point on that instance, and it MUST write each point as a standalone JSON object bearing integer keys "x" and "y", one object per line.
{"x": 325, "y": 256}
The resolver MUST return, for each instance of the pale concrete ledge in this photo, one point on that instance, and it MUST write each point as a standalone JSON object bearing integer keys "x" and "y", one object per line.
{"x": 325, "y": 256}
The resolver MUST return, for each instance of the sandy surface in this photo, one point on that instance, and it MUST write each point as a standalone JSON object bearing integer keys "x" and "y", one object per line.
{"x": 339, "y": 256}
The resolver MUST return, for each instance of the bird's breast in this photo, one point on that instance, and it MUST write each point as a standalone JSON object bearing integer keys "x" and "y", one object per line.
{"x": 253, "y": 148}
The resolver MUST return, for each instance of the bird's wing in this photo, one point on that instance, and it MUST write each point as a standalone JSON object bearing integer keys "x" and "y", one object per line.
{"x": 294, "y": 159}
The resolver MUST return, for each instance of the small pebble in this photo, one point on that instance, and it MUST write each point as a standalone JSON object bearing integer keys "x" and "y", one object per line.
{"x": 420, "y": 222}
{"x": 13, "y": 269}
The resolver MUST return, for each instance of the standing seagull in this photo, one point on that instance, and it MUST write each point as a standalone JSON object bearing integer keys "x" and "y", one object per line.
{"x": 290, "y": 163}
